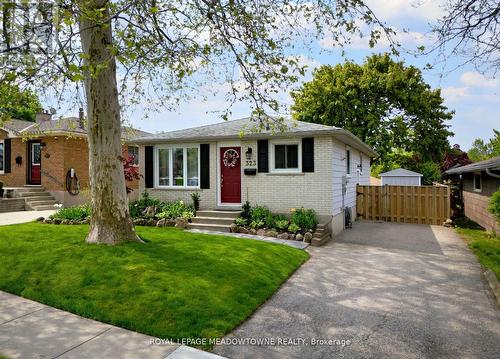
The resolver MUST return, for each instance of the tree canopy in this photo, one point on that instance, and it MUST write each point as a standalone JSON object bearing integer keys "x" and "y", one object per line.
{"x": 482, "y": 150}
{"x": 162, "y": 49}
{"x": 17, "y": 103}
{"x": 385, "y": 103}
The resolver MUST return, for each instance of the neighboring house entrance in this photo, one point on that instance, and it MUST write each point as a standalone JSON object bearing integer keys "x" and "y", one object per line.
{"x": 230, "y": 174}
{"x": 34, "y": 163}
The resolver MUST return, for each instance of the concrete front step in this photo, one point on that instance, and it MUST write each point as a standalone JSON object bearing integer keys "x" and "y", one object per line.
{"x": 38, "y": 198}
{"x": 213, "y": 220}
{"x": 44, "y": 207}
{"x": 217, "y": 213}
{"x": 316, "y": 242}
{"x": 32, "y": 189}
{"x": 41, "y": 203}
{"x": 34, "y": 194}
{"x": 209, "y": 227}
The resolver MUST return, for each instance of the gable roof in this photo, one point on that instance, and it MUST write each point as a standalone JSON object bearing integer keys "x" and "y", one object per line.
{"x": 492, "y": 164}
{"x": 400, "y": 172}
{"x": 67, "y": 125}
{"x": 249, "y": 127}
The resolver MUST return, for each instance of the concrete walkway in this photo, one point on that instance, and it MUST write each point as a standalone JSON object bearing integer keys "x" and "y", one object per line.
{"x": 23, "y": 216}
{"x": 32, "y": 330}
{"x": 381, "y": 290}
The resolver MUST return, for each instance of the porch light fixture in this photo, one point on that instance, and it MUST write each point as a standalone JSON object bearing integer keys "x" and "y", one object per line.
{"x": 248, "y": 153}
{"x": 43, "y": 144}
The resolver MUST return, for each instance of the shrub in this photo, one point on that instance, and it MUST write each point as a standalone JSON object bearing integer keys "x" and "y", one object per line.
{"x": 240, "y": 221}
{"x": 246, "y": 210}
{"x": 494, "y": 205}
{"x": 270, "y": 220}
{"x": 137, "y": 208}
{"x": 195, "y": 196}
{"x": 293, "y": 228}
{"x": 187, "y": 214}
{"x": 173, "y": 210}
{"x": 305, "y": 219}
{"x": 259, "y": 214}
{"x": 257, "y": 224}
{"x": 77, "y": 213}
{"x": 281, "y": 224}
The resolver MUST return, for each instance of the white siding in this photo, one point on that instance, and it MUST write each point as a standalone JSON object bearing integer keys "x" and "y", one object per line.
{"x": 400, "y": 180}
{"x": 356, "y": 177}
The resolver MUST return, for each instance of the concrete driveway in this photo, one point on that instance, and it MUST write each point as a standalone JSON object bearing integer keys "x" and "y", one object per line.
{"x": 381, "y": 290}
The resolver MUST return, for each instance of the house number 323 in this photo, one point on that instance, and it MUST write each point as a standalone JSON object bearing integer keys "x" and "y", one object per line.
{"x": 250, "y": 163}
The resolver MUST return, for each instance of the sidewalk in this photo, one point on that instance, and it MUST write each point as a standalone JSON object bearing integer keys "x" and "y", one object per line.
{"x": 32, "y": 330}
{"x": 23, "y": 216}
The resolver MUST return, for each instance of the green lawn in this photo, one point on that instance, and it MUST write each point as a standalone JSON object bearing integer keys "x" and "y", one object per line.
{"x": 177, "y": 285}
{"x": 485, "y": 246}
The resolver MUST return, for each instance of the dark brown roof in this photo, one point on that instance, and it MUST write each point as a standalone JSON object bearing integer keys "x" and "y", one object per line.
{"x": 69, "y": 124}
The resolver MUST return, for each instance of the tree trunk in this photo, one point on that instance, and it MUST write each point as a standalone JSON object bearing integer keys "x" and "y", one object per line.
{"x": 110, "y": 219}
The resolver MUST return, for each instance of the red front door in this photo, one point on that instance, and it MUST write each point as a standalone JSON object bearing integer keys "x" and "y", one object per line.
{"x": 35, "y": 162}
{"x": 230, "y": 174}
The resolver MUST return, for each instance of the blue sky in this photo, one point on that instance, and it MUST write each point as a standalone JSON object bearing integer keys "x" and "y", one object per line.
{"x": 474, "y": 97}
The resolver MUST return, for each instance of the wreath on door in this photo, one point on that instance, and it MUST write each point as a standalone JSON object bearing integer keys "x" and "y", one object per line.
{"x": 230, "y": 158}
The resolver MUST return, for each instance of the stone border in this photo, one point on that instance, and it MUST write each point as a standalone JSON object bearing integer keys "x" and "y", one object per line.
{"x": 494, "y": 284}
{"x": 290, "y": 243}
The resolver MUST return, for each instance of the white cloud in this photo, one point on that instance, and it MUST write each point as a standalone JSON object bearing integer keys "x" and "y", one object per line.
{"x": 475, "y": 79}
{"x": 409, "y": 40}
{"x": 454, "y": 94}
{"x": 429, "y": 10}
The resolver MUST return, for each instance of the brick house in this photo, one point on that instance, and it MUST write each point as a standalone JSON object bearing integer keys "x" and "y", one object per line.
{"x": 479, "y": 180}
{"x": 50, "y": 157}
{"x": 309, "y": 165}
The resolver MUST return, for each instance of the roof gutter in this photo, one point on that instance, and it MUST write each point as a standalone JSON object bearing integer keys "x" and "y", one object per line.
{"x": 488, "y": 171}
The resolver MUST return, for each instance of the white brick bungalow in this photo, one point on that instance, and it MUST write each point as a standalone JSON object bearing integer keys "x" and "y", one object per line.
{"x": 305, "y": 166}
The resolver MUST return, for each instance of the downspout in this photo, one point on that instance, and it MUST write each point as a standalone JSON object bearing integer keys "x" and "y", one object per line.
{"x": 488, "y": 171}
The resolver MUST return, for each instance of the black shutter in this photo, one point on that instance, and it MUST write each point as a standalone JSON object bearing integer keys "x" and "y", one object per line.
{"x": 6, "y": 155}
{"x": 308, "y": 155}
{"x": 205, "y": 166}
{"x": 262, "y": 156}
{"x": 148, "y": 167}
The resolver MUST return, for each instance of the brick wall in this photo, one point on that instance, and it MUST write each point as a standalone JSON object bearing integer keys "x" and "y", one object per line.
{"x": 17, "y": 176}
{"x": 281, "y": 192}
{"x": 476, "y": 208}
{"x": 208, "y": 197}
{"x": 59, "y": 155}
{"x": 278, "y": 192}
{"x": 476, "y": 203}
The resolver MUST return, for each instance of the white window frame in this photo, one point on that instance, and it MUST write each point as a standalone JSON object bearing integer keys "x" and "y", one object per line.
{"x": 135, "y": 158}
{"x": 480, "y": 182}
{"x": 2, "y": 171}
{"x": 171, "y": 148}
{"x": 273, "y": 144}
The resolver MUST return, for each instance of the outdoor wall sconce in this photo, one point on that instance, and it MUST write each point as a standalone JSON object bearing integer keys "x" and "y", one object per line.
{"x": 248, "y": 153}
{"x": 43, "y": 144}
{"x": 47, "y": 155}
{"x": 19, "y": 160}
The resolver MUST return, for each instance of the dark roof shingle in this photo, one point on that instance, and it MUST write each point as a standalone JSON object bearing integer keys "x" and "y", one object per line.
{"x": 67, "y": 124}
{"x": 233, "y": 128}
{"x": 492, "y": 163}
